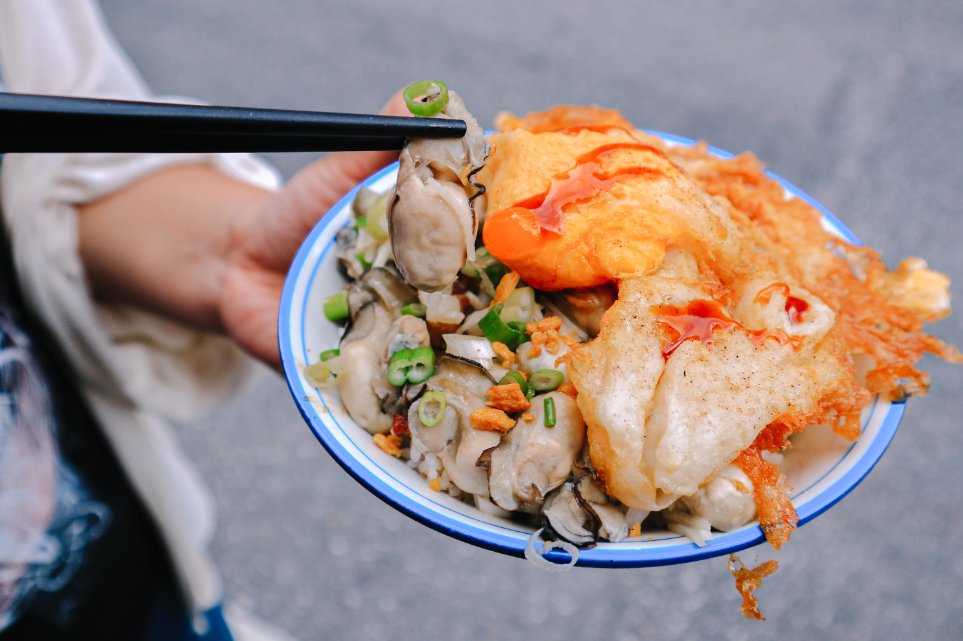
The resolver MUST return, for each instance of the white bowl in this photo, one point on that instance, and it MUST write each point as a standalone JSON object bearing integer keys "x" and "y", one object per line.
{"x": 821, "y": 467}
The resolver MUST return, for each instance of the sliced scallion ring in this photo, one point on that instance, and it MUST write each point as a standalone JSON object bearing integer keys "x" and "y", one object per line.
{"x": 426, "y": 98}
{"x": 546, "y": 380}
{"x": 411, "y": 366}
{"x": 422, "y": 365}
{"x": 398, "y": 367}
{"x": 336, "y": 306}
{"x": 328, "y": 354}
{"x": 431, "y": 408}
{"x": 414, "y": 309}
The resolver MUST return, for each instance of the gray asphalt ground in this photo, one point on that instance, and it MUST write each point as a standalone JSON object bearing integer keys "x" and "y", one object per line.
{"x": 859, "y": 103}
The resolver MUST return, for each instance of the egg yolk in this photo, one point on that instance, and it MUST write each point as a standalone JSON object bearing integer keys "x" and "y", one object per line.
{"x": 586, "y": 228}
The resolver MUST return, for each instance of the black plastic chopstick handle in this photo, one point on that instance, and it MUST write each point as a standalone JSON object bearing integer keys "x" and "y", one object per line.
{"x": 150, "y": 142}
{"x": 54, "y": 123}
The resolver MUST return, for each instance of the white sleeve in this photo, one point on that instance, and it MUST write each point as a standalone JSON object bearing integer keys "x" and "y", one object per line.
{"x": 126, "y": 355}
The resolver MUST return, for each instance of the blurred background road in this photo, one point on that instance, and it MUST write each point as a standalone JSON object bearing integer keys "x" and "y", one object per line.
{"x": 859, "y": 103}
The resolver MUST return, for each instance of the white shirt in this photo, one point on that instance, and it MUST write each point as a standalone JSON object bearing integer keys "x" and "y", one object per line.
{"x": 135, "y": 369}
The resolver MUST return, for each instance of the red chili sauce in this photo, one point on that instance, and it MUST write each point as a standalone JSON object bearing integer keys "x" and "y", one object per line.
{"x": 698, "y": 319}
{"x": 795, "y": 307}
{"x": 581, "y": 183}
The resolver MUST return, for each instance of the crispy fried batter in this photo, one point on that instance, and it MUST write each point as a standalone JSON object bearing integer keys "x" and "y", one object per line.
{"x": 576, "y": 195}
{"x": 879, "y": 313}
{"x": 919, "y": 289}
{"x": 771, "y": 493}
{"x": 570, "y": 341}
{"x": 748, "y": 581}
{"x": 506, "y": 286}
{"x": 564, "y": 117}
{"x": 508, "y": 397}
{"x": 565, "y": 358}
{"x": 544, "y": 333}
{"x": 502, "y": 351}
{"x": 546, "y": 324}
{"x": 568, "y": 388}
{"x": 389, "y": 444}
{"x": 491, "y": 419}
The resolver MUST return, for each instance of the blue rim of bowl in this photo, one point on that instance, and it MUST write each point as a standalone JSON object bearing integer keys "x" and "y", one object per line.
{"x": 600, "y": 556}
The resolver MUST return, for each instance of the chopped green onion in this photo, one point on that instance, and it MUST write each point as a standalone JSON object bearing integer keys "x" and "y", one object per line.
{"x": 495, "y": 273}
{"x": 336, "y": 307}
{"x": 426, "y": 98}
{"x": 545, "y": 380}
{"x": 549, "y": 412}
{"x": 530, "y": 393}
{"x": 414, "y": 309}
{"x": 329, "y": 354}
{"x": 496, "y": 330}
{"x": 317, "y": 374}
{"x": 520, "y": 327}
{"x": 422, "y": 365}
{"x": 376, "y": 218}
{"x": 398, "y": 367}
{"x": 365, "y": 263}
{"x": 411, "y": 366}
{"x": 431, "y": 408}
{"x": 514, "y": 377}
{"x": 361, "y": 222}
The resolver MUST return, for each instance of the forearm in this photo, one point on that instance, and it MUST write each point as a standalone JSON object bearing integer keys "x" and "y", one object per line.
{"x": 163, "y": 242}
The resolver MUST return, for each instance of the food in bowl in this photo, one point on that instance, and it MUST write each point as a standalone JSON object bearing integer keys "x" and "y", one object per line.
{"x": 632, "y": 338}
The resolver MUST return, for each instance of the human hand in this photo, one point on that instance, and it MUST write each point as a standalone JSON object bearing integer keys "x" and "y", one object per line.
{"x": 194, "y": 245}
{"x": 265, "y": 238}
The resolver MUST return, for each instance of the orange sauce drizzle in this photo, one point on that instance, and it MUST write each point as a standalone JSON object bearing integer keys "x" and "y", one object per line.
{"x": 583, "y": 182}
{"x": 795, "y": 307}
{"x": 759, "y": 336}
{"x": 695, "y": 321}
{"x": 698, "y": 319}
{"x": 765, "y": 294}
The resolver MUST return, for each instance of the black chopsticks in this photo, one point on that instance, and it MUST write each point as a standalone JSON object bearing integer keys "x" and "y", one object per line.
{"x": 35, "y": 124}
